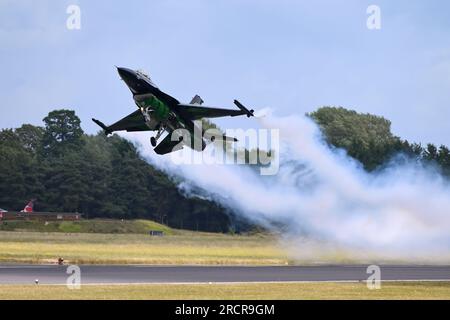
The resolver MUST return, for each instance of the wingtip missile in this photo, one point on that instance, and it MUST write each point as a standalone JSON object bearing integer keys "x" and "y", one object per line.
{"x": 249, "y": 113}
{"x": 102, "y": 125}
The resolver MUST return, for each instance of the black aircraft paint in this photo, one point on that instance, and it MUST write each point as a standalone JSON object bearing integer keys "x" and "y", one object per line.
{"x": 158, "y": 111}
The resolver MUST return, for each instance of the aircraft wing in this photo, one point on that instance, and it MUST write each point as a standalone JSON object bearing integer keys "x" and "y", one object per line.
{"x": 167, "y": 145}
{"x": 132, "y": 122}
{"x": 196, "y": 112}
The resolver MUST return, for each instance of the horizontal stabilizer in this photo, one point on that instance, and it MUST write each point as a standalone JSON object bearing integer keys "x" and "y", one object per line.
{"x": 249, "y": 113}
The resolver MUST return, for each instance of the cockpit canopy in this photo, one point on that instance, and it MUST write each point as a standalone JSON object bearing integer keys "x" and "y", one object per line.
{"x": 144, "y": 74}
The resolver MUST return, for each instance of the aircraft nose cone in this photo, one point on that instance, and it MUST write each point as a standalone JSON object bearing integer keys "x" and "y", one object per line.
{"x": 130, "y": 78}
{"x": 126, "y": 73}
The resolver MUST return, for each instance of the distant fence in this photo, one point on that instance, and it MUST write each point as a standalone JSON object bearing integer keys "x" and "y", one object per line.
{"x": 39, "y": 216}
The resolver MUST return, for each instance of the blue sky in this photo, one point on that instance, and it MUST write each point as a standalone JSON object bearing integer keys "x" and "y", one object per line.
{"x": 291, "y": 56}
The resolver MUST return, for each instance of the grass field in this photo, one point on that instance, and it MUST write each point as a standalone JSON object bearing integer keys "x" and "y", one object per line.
{"x": 181, "y": 247}
{"x": 257, "y": 291}
{"x": 128, "y": 242}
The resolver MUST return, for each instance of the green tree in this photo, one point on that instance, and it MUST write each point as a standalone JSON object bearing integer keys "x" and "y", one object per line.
{"x": 62, "y": 131}
{"x": 430, "y": 153}
{"x": 443, "y": 159}
{"x": 30, "y": 137}
{"x": 17, "y": 174}
{"x": 366, "y": 137}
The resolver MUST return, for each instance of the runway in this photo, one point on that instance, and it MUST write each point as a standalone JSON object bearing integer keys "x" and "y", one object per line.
{"x": 135, "y": 274}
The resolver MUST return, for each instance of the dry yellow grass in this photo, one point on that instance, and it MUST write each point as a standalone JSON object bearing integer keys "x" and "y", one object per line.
{"x": 257, "y": 291}
{"x": 189, "y": 248}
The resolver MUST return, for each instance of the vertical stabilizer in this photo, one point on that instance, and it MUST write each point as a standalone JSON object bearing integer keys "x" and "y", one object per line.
{"x": 29, "y": 207}
{"x": 197, "y": 100}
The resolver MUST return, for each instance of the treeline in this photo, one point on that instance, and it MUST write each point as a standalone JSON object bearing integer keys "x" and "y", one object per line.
{"x": 368, "y": 138}
{"x": 70, "y": 171}
{"x": 98, "y": 176}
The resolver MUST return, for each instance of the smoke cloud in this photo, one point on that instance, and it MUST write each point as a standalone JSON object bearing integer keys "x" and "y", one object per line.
{"x": 323, "y": 204}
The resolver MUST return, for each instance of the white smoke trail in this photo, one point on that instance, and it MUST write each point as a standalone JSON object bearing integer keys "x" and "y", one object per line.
{"x": 330, "y": 205}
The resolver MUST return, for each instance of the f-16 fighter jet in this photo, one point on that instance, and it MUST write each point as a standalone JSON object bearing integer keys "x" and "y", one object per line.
{"x": 160, "y": 112}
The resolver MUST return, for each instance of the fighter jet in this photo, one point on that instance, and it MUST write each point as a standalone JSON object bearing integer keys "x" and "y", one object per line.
{"x": 160, "y": 112}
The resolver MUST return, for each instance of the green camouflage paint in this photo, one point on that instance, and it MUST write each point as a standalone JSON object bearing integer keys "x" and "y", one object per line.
{"x": 161, "y": 109}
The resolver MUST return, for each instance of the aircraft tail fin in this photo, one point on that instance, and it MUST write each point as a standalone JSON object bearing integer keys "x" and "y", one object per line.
{"x": 29, "y": 207}
{"x": 197, "y": 100}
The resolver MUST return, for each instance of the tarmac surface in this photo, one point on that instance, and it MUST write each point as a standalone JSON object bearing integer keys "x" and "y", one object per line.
{"x": 136, "y": 274}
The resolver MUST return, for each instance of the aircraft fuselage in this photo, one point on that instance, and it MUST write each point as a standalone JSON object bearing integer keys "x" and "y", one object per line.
{"x": 157, "y": 107}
